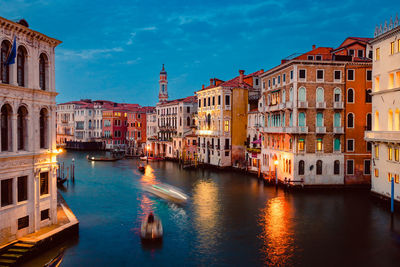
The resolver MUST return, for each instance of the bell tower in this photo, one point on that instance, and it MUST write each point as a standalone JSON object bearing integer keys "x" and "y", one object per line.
{"x": 163, "y": 90}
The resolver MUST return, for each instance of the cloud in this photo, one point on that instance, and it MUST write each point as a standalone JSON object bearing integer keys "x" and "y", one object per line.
{"x": 133, "y": 34}
{"x": 134, "y": 61}
{"x": 87, "y": 53}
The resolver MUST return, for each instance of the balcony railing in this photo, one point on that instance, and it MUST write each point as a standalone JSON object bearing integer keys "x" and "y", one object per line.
{"x": 320, "y": 105}
{"x": 338, "y": 130}
{"x": 289, "y": 105}
{"x": 384, "y": 136}
{"x": 320, "y": 130}
{"x": 338, "y": 105}
{"x": 302, "y": 104}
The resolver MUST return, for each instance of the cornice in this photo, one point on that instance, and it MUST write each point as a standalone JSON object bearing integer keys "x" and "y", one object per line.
{"x": 27, "y": 90}
{"x": 386, "y": 35}
{"x": 13, "y": 26}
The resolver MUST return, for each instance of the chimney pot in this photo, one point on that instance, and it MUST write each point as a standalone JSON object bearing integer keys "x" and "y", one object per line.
{"x": 241, "y": 74}
{"x": 211, "y": 81}
{"x": 202, "y": 87}
{"x": 314, "y": 46}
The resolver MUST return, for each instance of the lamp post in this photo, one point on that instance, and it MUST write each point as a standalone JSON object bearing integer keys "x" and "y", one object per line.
{"x": 148, "y": 148}
{"x": 276, "y": 172}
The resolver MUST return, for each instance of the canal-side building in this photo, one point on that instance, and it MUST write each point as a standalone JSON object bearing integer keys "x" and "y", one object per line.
{"x": 136, "y": 129}
{"x": 222, "y": 119}
{"x": 28, "y": 163}
{"x": 65, "y": 123}
{"x": 306, "y": 118}
{"x": 385, "y": 133}
{"x": 255, "y": 127}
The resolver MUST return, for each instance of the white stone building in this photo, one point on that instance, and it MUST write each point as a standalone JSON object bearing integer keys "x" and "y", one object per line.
{"x": 385, "y": 133}
{"x": 255, "y": 127}
{"x": 66, "y": 121}
{"x": 28, "y": 163}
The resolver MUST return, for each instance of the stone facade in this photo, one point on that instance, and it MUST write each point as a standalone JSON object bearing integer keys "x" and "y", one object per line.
{"x": 28, "y": 163}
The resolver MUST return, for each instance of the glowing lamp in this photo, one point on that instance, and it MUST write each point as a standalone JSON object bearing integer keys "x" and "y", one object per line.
{"x": 276, "y": 162}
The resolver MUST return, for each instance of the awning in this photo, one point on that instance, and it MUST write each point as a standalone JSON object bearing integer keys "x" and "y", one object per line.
{"x": 256, "y": 141}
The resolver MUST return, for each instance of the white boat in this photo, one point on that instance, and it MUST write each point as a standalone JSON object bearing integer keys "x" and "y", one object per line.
{"x": 168, "y": 192}
{"x": 151, "y": 229}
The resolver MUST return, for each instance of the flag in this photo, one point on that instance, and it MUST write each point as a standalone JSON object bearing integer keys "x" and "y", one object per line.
{"x": 11, "y": 57}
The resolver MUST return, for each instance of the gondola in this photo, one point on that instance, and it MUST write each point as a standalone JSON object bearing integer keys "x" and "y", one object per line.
{"x": 61, "y": 181}
{"x": 56, "y": 261}
{"x": 141, "y": 167}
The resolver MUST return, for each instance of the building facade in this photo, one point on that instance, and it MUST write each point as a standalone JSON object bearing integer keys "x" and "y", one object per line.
{"x": 66, "y": 121}
{"x": 28, "y": 135}
{"x": 385, "y": 133}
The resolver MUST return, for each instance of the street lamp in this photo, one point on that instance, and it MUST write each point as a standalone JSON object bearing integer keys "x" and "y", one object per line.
{"x": 276, "y": 172}
{"x": 148, "y": 148}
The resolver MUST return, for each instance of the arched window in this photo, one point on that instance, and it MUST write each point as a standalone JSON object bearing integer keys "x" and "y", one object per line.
{"x": 90, "y": 124}
{"x": 283, "y": 96}
{"x": 22, "y": 124}
{"x": 336, "y": 167}
{"x": 350, "y": 96}
{"x": 336, "y": 144}
{"x": 5, "y": 70}
{"x": 350, "y": 120}
{"x": 337, "y": 95}
{"x": 376, "y": 122}
{"x": 319, "y": 167}
{"x": 390, "y": 120}
{"x": 21, "y": 57}
{"x": 43, "y": 125}
{"x": 320, "y": 95}
{"x": 43, "y": 76}
{"x": 209, "y": 121}
{"x": 301, "y": 167}
{"x": 397, "y": 120}
{"x": 187, "y": 121}
{"x": 6, "y": 133}
{"x": 368, "y": 97}
{"x": 369, "y": 122}
{"x": 291, "y": 94}
{"x": 302, "y": 94}
{"x": 320, "y": 119}
{"x": 337, "y": 120}
{"x": 302, "y": 119}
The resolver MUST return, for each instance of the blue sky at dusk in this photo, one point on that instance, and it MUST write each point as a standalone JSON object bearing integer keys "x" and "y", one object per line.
{"x": 114, "y": 49}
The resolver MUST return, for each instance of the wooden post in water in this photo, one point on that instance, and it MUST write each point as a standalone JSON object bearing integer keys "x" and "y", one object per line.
{"x": 67, "y": 173}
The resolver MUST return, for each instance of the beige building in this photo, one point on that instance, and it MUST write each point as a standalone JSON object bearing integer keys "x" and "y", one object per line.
{"x": 28, "y": 163}
{"x": 385, "y": 133}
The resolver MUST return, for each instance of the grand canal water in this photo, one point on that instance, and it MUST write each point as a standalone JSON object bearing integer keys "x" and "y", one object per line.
{"x": 231, "y": 219}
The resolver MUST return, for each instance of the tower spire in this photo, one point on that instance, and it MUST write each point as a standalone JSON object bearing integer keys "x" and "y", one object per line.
{"x": 163, "y": 83}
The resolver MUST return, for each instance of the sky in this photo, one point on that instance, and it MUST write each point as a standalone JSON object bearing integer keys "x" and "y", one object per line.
{"x": 114, "y": 50}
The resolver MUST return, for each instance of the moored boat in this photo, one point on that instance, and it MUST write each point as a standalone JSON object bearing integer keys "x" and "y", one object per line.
{"x": 151, "y": 229}
{"x": 56, "y": 261}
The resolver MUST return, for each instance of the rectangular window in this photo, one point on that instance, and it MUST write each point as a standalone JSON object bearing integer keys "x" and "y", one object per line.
{"x": 209, "y": 101}
{"x": 390, "y": 153}
{"x": 273, "y": 81}
{"x": 302, "y": 74}
{"x": 360, "y": 53}
{"x": 226, "y": 143}
{"x": 377, "y": 54}
{"x": 350, "y": 145}
{"x": 310, "y": 57}
{"x": 377, "y": 151}
{"x": 392, "y": 48}
{"x": 291, "y": 75}
{"x": 227, "y": 100}
{"x": 320, "y": 74}
{"x": 369, "y": 75}
{"x": 219, "y": 100}
{"x": 350, "y": 167}
{"x": 22, "y": 188}
{"x": 376, "y": 172}
{"x": 318, "y": 57}
{"x": 23, "y": 222}
{"x": 390, "y": 176}
{"x": 226, "y": 126}
{"x": 396, "y": 178}
{"x": 350, "y": 75}
{"x": 338, "y": 74}
{"x": 279, "y": 79}
{"x": 204, "y": 102}
{"x": 319, "y": 144}
{"x": 44, "y": 215}
{"x": 367, "y": 166}
{"x": 301, "y": 144}
{"x": 269, "y": 83}
{"x": 351, "y": 52}
{"x": 44, "y": 183}
{"x": 6, "y": 192}
{"x": 369, "y": 146}
{"x": 284, "y": 77}
{"x": 188, "y": 108}
{"x": 213, "y": 103}
{"x": 396, "y": 154}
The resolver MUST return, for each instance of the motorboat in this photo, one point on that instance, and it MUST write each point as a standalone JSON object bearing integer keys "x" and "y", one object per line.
{"x": 91, "y": 158}
{"x": 168, "y": 192}
{"x": 151, "y": 229}
{"x": 56, "y": 261}
{"x": 151, "y": 159}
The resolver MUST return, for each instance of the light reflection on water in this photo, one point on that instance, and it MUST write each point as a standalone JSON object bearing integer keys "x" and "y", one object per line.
{"x": 277, "y": 233}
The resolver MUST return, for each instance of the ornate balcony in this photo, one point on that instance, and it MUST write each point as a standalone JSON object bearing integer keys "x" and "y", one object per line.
{"x": 320, "y": 130}
{"x": 338, "y": 130}
{"x": 338, "y": 105}
{"x": 302, "y": 104}
{"x": 320, "y": 105}
{"x": 383, "y": 136}
{"x": 289, "y": 105}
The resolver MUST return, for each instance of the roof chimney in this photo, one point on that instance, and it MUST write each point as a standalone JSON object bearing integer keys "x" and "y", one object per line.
{"x": 241, "y": 74}
{"x": 211, "y": 81}
{"x": 202, "y": 87}
{"x": 314, "y": 46}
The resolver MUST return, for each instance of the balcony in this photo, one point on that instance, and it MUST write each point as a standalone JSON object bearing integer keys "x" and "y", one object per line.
{"x": 338, "y": 105}
{"x": 274, "y": 129}
{"x": 289, "y": 105}
{"x": 338, "y": 130}
{"x": 253, "y": 150}
{"x": 282, "y": 105}
{"x": 320, "y": 130}
{"x": 302, "y": 104}
{"x": 273, "y": 108}
{"x": 320, "y": 105}
{"x": 383, "y": 136}
{"x": 296, "y": 129}
{"x": 208, "y": 132}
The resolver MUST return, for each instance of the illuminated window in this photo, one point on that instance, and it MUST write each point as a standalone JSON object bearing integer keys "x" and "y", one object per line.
{"x": 397, "y": 79}
{"x": 396, "y": 178}
{"x": 390, "y": 120}
{"x": 376, "y": 123}
{"x": 319, "y": 144}
{"x": 376, "y": 84}
{"x": 389, "y": 177}
{"x": 378, "y": 54}
{"x": 391, "y": 81}
{"x": 377, "y": 151}
{"x": 226, "y": 126}
{"x": 392, "y": 48}
{"x": 376, "y": 172}
{"x": 301, "y": 144}
{"x": 396, "y": 154}
{"x": 390, "y": 153}
{"x": 398, "y": 45}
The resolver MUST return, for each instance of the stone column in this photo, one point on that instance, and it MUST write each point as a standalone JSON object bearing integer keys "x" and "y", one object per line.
{"x": 29, "y": 133}
{"x": 14, "y": 135}
{"x": 13, "y": 73}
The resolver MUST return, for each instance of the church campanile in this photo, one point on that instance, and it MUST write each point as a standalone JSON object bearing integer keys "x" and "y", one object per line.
{"x": 163, "y": 91}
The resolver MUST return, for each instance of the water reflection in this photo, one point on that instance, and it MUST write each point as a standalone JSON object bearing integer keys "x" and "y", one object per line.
{"x": 277, "y": 233}
{"x": 207, "y": 208}
{"x": 148, "y": 178}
